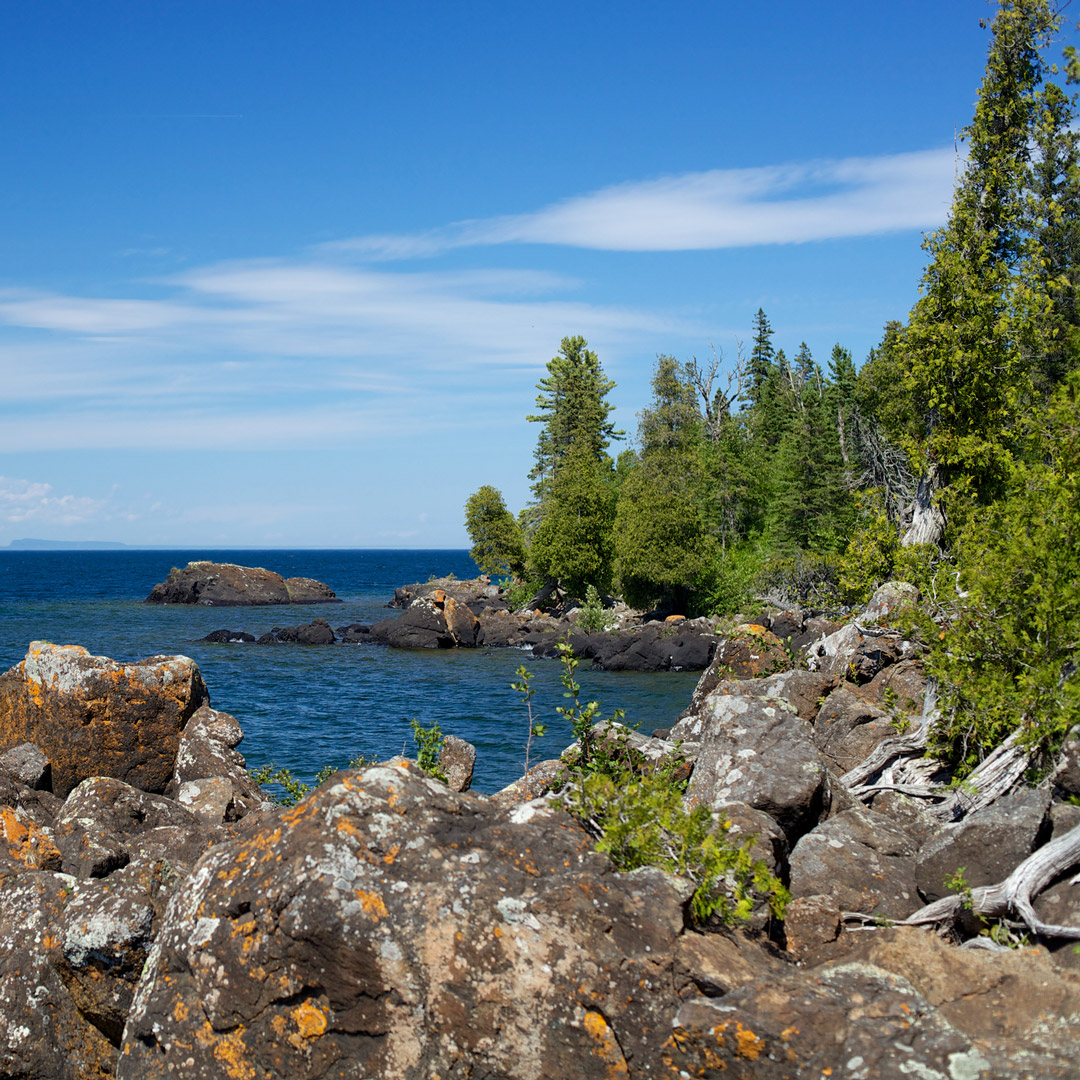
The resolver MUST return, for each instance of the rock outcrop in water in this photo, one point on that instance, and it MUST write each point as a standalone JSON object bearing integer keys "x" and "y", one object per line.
{"x": 213, "y": 584}
{"x": 388, "y": 926}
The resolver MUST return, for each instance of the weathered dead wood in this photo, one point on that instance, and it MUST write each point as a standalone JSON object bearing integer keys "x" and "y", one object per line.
{"x": 992, "y": 778}
{"x": 1011, "y": 898}
{"x": 927, "y": 520}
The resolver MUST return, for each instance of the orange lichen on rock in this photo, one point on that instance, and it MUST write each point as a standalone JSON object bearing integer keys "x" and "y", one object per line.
{"x": 27, "y": 842}
{"x": 606, "y": 1046}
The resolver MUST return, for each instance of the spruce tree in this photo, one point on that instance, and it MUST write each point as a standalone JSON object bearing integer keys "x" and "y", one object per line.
{"x": 973, "y": 332}
{"x": 572, "y": 407}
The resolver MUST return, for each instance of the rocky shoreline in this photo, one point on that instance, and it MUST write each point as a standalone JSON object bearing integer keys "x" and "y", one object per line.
{"x": 447, "y": 613}
{"x": 160, "y": 916}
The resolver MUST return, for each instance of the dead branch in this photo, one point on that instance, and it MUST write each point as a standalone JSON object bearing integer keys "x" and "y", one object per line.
{"x": 1011, "y": 898}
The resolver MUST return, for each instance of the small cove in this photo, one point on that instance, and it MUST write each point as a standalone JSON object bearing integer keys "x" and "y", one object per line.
{"x": 306, "y": 706}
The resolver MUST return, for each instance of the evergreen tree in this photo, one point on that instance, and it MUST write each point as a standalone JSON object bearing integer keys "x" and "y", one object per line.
{"x": 572, "y": 407}
{"x": 497, "y": 545}
{"x": 661, "y": 548}
{"x": 762, "y": 357}
{"x": 573, "y": 541}
{"x": 973, "y": 330}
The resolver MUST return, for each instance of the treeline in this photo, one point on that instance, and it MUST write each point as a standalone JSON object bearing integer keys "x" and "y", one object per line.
{"x": 724, "y": 473}
{"x": 950, "y": 458}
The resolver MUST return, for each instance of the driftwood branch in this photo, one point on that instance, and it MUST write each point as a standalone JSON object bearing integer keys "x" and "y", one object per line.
{"x": 1011, "y": 898}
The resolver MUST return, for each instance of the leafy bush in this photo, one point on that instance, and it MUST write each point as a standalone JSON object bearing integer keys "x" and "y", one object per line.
{"x": 634, "y": 809}
{"x": 639, "y": 820}
{"x": 429, "y": 744}
{"x": 593, "y": 615}
{"x": 730, "y": 582}
{"x": 292, "y": 789}
{"x": 522, "y": 591}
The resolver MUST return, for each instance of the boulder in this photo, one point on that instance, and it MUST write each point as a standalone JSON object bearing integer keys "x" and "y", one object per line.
{"x": 102, "y": 815}
{"x": 28, "y": 765}
{"x": 317, "y": 632}
{"x": 354, "y": 634}
{"x": 437, "y": 621}
{"x": 207, "y": 751}
{"x": 538, "y": 781}
{"x": 890, "y": 598}
{"x": 687, "y": 645}
{"x": 856, "y": 652}
{"x": 92, "y": 716}
{"x": 474, "y": 593}
{"x": 900, "y": 686}
{"x": 900, "y": 1004}
{"x": 388, "y": 926}
{"x": 847, "y": 728}
{"x": 24, "y": 844}
{"x": 987, "y": 845}
{"x": 861, "y": 862}
{"x": 43, "y": 1036}
{"x": 756, "y": 751}
{"x": 456, "y": 760}
{"x": 213, "y": 584}
{"x": 804, "y": 691}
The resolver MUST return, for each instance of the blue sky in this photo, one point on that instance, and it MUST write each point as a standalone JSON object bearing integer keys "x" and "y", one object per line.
{"x": 286, "y": 274}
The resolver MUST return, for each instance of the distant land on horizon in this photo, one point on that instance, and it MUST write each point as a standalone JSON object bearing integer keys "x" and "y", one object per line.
{"x": 30, "y": 544}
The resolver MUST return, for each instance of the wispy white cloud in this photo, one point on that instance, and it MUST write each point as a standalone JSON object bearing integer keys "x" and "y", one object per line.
{"x": 31, "y": 501}
{"x": 721, "y": 208}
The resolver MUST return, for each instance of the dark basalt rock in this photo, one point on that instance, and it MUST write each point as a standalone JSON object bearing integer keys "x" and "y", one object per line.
{"x": 230, "y": 637}
{"x": 227, "y": 585}
{"x": 317, "y": 632}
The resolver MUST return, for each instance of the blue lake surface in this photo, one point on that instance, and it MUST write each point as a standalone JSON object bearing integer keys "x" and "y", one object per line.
{"x": 303, "y": 707}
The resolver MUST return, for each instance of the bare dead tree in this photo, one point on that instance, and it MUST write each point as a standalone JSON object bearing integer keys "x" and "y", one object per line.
{"x": 717, "y": 401}
{"x": 885, "y": 467}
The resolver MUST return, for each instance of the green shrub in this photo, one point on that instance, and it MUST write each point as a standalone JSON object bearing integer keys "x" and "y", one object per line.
{"x": 730, "y": 582}
{"x": 593, "y": 615}
{"x": 429, "y": 744}
{"x": 522, "y": 591}
{"x": 1007, "y": 649}
{"x": 871, "y": 552}
{"x": 639, "y": 820}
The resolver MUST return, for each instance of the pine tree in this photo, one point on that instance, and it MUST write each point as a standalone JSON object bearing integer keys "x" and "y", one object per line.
{"x": 762, "y": 357}
{"x": 972, "y": 333}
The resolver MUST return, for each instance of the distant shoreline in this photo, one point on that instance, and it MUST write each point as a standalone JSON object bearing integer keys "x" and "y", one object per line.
{"x": 115, "y": 545}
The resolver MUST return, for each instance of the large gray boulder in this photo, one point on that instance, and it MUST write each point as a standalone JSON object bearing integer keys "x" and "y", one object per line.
{"x": 757, "y": 751}
{"x": 389, "y": 927}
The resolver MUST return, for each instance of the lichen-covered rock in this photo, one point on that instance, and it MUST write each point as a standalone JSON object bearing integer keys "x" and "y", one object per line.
{"x": 756, "y": 751}
{"x": 539, "y": 780}
{"x": 388, "y": 927}
{"x": 855, "y": 652}
{"x": 42, "y": 1034}
{"x": 28, "y": 765}
{"x": 890, "y": 598}
{"x": 861, "y": 861}
{"x": 25, "y": 843}
{"x": 213, "y": 584}
{"x": 92, "y": 716}
{"x": 100, "y": 818}
{"x": 208, "y": 751}
{"x": 456, "y": 760}
{"x": 804, "y": 691}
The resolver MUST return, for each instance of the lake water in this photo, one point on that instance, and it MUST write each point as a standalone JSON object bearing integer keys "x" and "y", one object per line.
{"x": 303, "y": 707}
